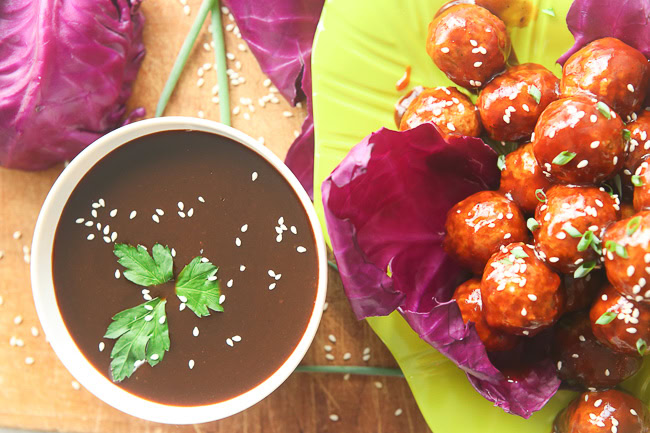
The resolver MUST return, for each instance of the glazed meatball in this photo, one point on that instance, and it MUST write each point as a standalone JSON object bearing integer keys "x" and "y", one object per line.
{"x": 639, "y": 146}
{"x": 403, "y": 104}
{"x": 449, "y": 110}
{"x": 626, "y": 247}
{"x": 609, "y": 411}
{"x": 627, "y": 211}
{"x": 619, "y": 323}
{"x": 580, "y": 292}
{"x": 469, "y": 44}
{"x": 515, "y": 13}
{"x": 571, "y": 222}
{"x": 479, "y": 225}
{"x": 512, "y": 102}
{"x": 521, "y": 295}
{"x": 579, "y": 141}
{"x": 522, "y": 178}
{"x": 609, "y": 70}
{"x": 583, "y": 361}
{"x": 641, "y": 182}
{"x": 468, "y": 298}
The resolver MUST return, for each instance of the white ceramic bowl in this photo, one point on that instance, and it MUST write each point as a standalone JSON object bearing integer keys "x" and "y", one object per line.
{"x": 50, "y": 316}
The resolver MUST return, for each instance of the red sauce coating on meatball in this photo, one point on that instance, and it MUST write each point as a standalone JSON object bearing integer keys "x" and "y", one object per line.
{"x": 522, "y": 177}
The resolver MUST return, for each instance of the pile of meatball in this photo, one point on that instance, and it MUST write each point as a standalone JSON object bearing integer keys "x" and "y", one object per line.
{"x": 564, "y": 245}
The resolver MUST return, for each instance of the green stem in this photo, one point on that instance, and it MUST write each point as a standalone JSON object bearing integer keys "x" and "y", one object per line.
{"x": 333, "y": 265}
{"x": 352, "y": 369}
{"x": 220, "y": 64}
{"x": 184, "y": 53}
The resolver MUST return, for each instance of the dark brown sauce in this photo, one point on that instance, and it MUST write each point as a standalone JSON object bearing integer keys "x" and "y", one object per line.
{"x": 156, "y": 172}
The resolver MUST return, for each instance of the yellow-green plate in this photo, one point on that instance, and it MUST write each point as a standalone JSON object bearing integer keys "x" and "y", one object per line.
{"x": 360, "y": 51}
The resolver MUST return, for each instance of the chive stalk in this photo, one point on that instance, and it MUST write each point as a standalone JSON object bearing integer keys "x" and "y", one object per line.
{"x": 183, "y": 55}
{"x": 220, "y": 63}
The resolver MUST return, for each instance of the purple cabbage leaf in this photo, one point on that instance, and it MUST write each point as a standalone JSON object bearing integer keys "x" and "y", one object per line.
{"x": 66, "y": 71}
{"x": 385, "y": 207}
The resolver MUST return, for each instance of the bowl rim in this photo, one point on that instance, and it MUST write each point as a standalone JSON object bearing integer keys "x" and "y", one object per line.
{"x": 52, "y": 321}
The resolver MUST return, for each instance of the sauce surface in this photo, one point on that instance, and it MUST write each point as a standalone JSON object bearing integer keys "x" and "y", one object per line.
{"x": 157, "y": 172}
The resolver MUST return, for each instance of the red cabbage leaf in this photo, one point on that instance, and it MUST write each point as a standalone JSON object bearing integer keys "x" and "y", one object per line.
{"x": 66, "y": 71}
{"x": 280, "y": 34}
{"x": 385, "y": 207}
{"x": 627, "y": 20}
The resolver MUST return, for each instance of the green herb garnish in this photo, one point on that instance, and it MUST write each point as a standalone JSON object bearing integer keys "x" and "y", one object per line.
{"x": 540, "y": 195}
{"x": 641, "y": 346}
{"x": 585, "y": 240}
{"x": 143, "y": 270}
{"x": 532, "y": 224}
{"x": 637, "y": 180}
{"x": 604, "y": 109}
{"x": 506, "y": 261}
{"x": 535, "y": 93}
{"x": 549, "y": 12}
{"x": 501, "y": 162}
{"x": 142, "y": 336}
{"x": 198, "y": 287}
{"x": 519, "y": 253}
{"x": 627, "y": 134}
{"x": 608, "y": 188}
{"x": 563, "y": 157}
{"x": 571, "y": 231}
{"x": 584, "y": 269}
{"x": 633, "y": 225}
{"x": 617, "y": 248}
{"x": 619, "y": 185}
{"x": 607, "y": 318}
{"x": 596, "y": 245}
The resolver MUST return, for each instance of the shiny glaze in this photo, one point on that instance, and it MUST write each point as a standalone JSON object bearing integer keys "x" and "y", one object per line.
{"x": 515, "y": 13}
{"x": 630, "y": 275}
{"x": 583, "y": 361}
{"x": 450, "y": 111}
{"x": 639, "y": 146}
{"x": 468, "y": 298}
{"x": 521, "y": 296}
{"x": 469, "y": 44}
{"x": 521, "y": 177}
{"x": 508, "y": 111}
{"x": 609, "y": 411}
{"x": 477, "y": 226}
{"x": 604, "y": 69}
{"x": 584, "y": 208}
{"x": 631, "y": 323}
{"x": 575, "y": 125}
{"x": 403, "y": 103}
{"x": 641, "y": 194}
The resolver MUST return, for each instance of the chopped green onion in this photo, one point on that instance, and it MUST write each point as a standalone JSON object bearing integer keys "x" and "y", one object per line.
{"x": 619, "y": 186}
{"x": 584, "y": 269}
{"x": 641, "y": 346}
{"x": 627, "y": 134}
{"x": 585, "y": 240}
{"x": 607, "y": 187}
{"x": 571, "y": 231}
{"x": 532, "y": 224}
{"x": 535, "y": 93}
{"x": 519, "y": 253}
{"x": 633, "y": 225}
{"x": 607, "y": 318}
{"x": 596, "y": 245}
{"x": 549, "y": 12}
{"x": 604, "y": 110}
{"x": 501, "y": 162}
{"x": 183, "y": 55}
{"x": 637, "y": 180}
{"x": 563, "y": 157}
{"x": 540, "y": 192}
{"x": 506, "y": 261}
{"x": 220, "y": 64}
{"x": 617, "y": 248}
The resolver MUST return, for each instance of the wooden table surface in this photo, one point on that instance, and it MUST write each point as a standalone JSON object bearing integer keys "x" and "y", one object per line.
{"x": 44, "y": 396}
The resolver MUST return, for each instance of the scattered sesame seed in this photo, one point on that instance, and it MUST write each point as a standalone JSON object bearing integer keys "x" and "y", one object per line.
{"x": 79, "y": 220}
{"x": 473, "y": 43}
{"x": 191, "y": 364}
{"x": 229, "y": 283}
{"x": 29, "y": 360}
{"x": 186, "y": 9}
{"x": 287, "y": 114}
{"x": 154, "y": 357}
{"x": 93, "y": 213}
{"x": 17, "y": 235}
{"x": 190, "y": 212}
{"x": 532, "y": 297}
{"x": 236, "y": 338}
{"x": 173, "y": 252}
{"x": 524, "y": 312}
{"x": 451, "y": 126}
{"x": 331, "y": 338}
{"x": 18, "y": 320}
{"x": 631, "y": 330}
{"x": 583, "y": 163}
{"x": 347, "y": 356}
{"x": 630, "y": 270}
{"x": 102, "y": 346}
{"x": 559, "y": 365}
{"x": 575, "y": 355}
{"x": 155, "y": 218}
{"x": 242, "y": 268}
{"x": 272, "y": 286}
{"x": 195, "y": 331}
{"x": 633, "y": 412}
{"x": 294, "y": 230}
{"x": 329, "y": 357}
{"x": 379, "y": 385}
{"x": 254, "y": 176}
{"x": 325, "y": 305}
{"x": 607, "y": 373}
{"x": 301, "y": 249}
{"x": 327, "y": 348}
{"x": 75, "y": 385}
{"x": 478, "y": 64}
{"x": 238, "y": 242}
{"x": 630, "y": 87}
{"x": 444, "y": 50}
{"x": 366, "y": 357}
{"x": 346, "y": 376}
{"x": 222, "y": 299}
{"x": 133, "y": 214}
{"x": 113, "y": 213}
{"x": 398, "y": 411}
{"x": 334, "y": 417}
{"x": 34, "y": 331}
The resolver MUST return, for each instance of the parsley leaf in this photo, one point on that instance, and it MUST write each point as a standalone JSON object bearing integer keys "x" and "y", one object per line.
{"x": 143, "y": 270}
{"x": 198, "y": 287}
{"x": 142, "y": 335}
{"x": 607, "y": 318}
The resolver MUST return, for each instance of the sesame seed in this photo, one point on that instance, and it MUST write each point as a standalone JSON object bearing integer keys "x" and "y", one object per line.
{"x": 553, "y": 259}
{"x": 506, "y": 118}
{"x": 509, "y": 216}
{"x": 607, "y": 373}
{"x": 398, "y": 411}
{"x": 113, "y": 213}
{"x": 222, "y": 298}
{"x": 18, "y": 320}
{"x": 29, "y": 360}
{"x": 598, "y": 402}
{"x": 195, "y": 331}
{"x": 102, "y": 346}
{"x": 155, "y": 218}
{"x": 79, "y": 220}
{"x": 173, "y": 252}
{"x": 473, "y": 42}
{"x": 633, "y": 412}
{"x": 366, "y": 357}
{"x": 34, "y": 331}
{"x": 92, "y": 212}
{"x": 559, "y": 365}
{"x": 229, "y": 283}
{"x": 294, "y": 230}
{"x": 630, "y": 87}
{"x": 444, "y": 50}
{"x": 181, "y": 214}
{"x": 329, "y": 357}
{"x": 583, "y": 163}
{"x": 113, "y": 236}
{"x": 236, "y": 338}
{"x": 334, "y": 417}
{"x": 631, "y": 330}
{"x": 238, "y": 242}
{"x": 191, "y": 364}
{"x": 561, "y": 235}
{"x": 478, "y": 64}
{"x": 244, "y": 228}
{"x": 347, "y": 356}
{"x": 615, "y": 160}
{"x": 327, "y": 348}
{"x": 301, "y": 249}
{"x": 272, "y": 286}
{"x": 525, "y": 107}
{"x": 575, "y": 355}
{"x": 507, "y": 236}
{"x": 88, "y": 223}
{"x": 75, "y": 385}
{"x": 582, "y": 338}
{"x": 254, "y": 176}
{"x": 132, "y": 215}
{"x": 190, "y": 212}
{"x": 594, "y": 144}
{"x": 532, "y": 297}
{"x": 287, "y": 114}
{"x": 630, "y": 270}
{"x": 524, "y": 312}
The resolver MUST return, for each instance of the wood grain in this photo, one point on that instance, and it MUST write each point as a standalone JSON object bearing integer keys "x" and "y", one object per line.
{"x": 41, "y": 396}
